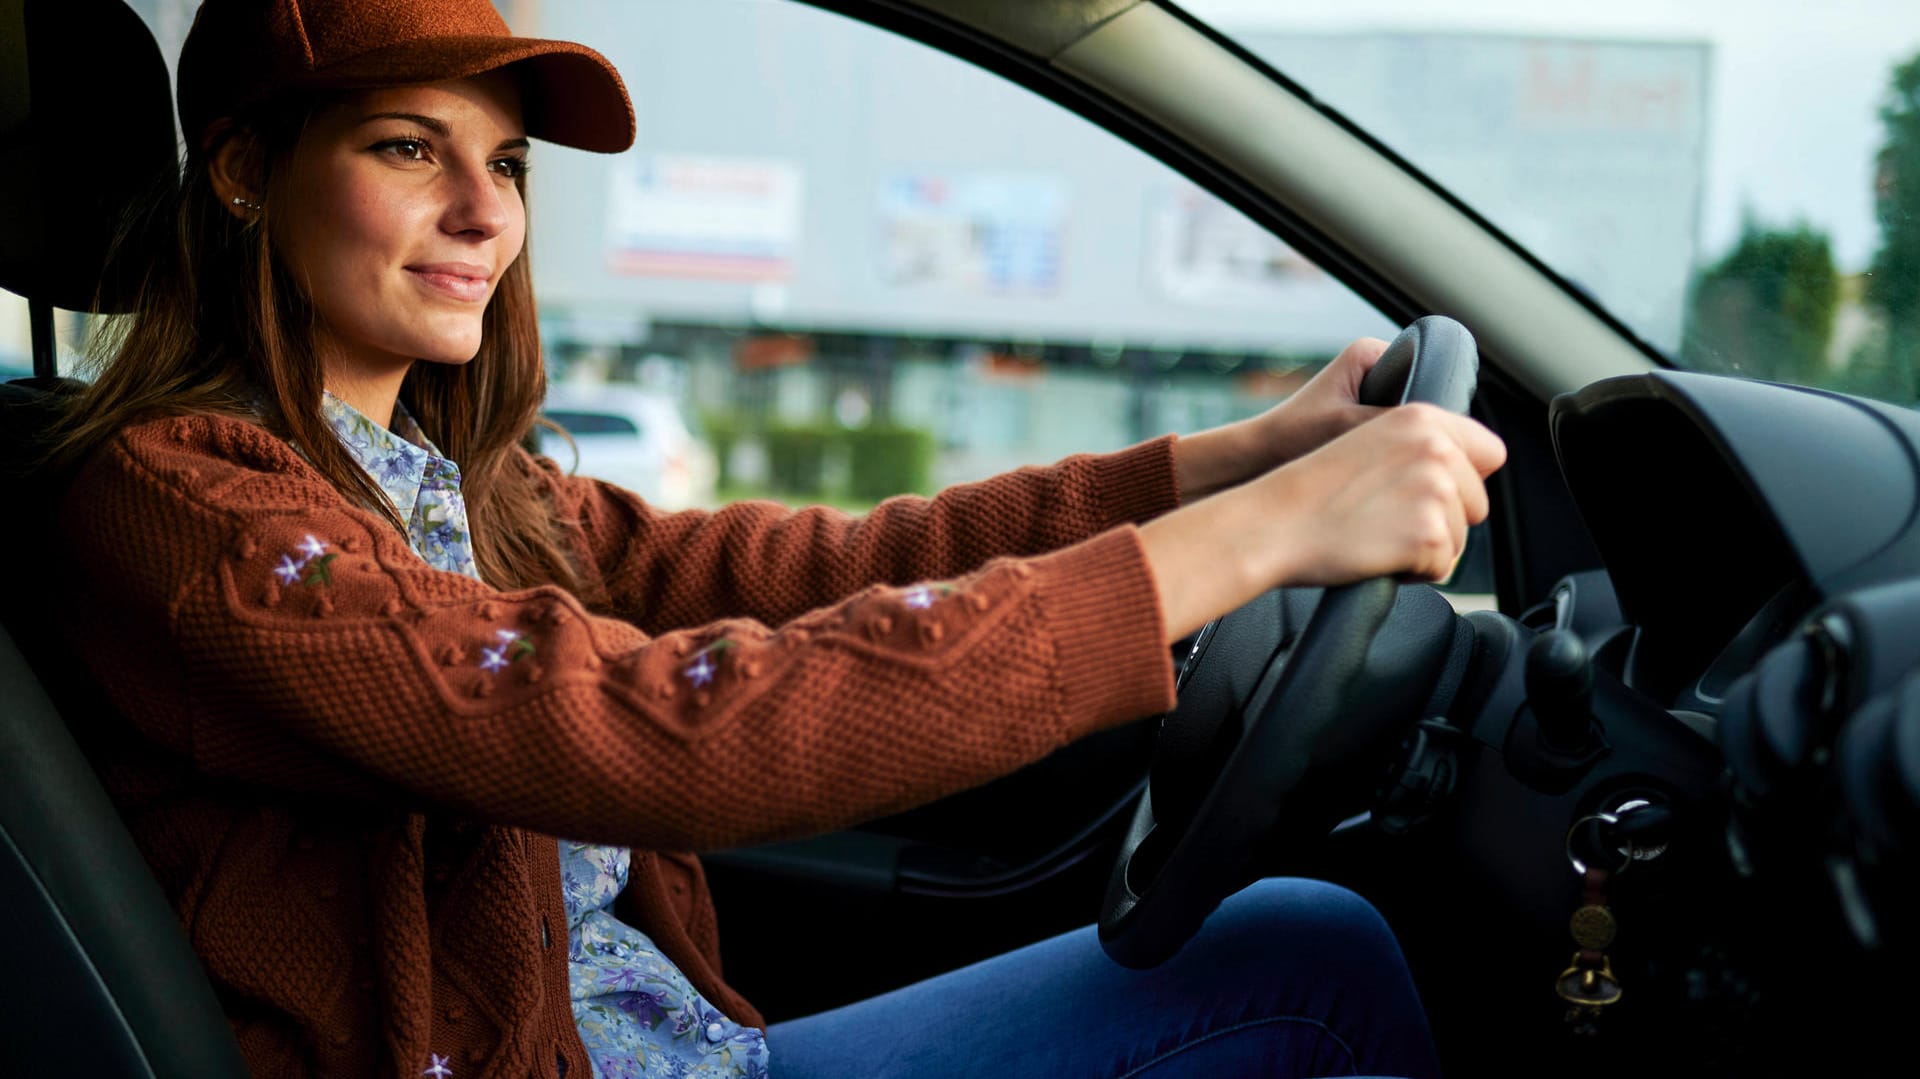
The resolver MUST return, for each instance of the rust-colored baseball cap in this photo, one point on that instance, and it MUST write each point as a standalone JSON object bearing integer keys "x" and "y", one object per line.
{"x": 242, "y": 53}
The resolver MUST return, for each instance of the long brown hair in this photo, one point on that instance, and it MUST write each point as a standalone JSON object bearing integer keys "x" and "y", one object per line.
{"x": 219, "y": 326}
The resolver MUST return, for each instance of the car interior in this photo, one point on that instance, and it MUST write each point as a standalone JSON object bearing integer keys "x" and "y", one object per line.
{"x": 1655, "y": 811}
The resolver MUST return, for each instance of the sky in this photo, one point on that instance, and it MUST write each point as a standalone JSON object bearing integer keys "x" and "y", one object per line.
{"x": 1792, "y": 105}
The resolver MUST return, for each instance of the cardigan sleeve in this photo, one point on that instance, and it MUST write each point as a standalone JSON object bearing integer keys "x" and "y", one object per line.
{"x": 243, "y": 614}
{"x": 761, "y": 560}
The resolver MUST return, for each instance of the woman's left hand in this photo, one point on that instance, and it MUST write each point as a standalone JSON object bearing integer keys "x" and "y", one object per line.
{"x": 1325, "y": 408}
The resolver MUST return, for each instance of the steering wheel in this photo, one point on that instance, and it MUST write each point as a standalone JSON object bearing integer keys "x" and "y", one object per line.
{"x": 1282, "y": 706}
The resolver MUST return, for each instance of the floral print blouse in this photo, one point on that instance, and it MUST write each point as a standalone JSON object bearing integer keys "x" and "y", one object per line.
{"x": 638, "y": 1015}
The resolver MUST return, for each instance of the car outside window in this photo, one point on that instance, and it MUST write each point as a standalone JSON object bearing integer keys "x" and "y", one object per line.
{"x": 593, "y": 423}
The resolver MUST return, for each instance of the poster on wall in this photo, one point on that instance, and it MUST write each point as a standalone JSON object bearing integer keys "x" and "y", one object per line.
{"x": 984, "y": 233}
{"x": 1204, "y": 252}
{"x": 729, "y": 218}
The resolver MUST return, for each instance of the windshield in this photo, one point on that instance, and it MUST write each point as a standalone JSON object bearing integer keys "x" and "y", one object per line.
{"x": 1737, "y": 181}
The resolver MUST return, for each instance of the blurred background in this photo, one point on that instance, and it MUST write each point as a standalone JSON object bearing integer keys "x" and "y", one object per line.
{"x": 838, "y": 265}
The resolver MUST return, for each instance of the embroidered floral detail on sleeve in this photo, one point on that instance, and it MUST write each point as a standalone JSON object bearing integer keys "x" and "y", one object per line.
{"x": 921, "y": 596}
{"x": 320, "y": 573}
{"x": 513, "y": 644}
{"x": 438, "y": 1069}
{"x": 307, "y": 563}
{"x": 701, "y": 671}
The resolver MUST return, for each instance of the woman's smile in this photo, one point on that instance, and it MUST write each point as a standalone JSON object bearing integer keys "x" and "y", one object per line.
{"x": 462, "y": 281}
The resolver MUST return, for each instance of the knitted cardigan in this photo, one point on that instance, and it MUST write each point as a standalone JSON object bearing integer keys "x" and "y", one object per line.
{"x": 350, "y": 800}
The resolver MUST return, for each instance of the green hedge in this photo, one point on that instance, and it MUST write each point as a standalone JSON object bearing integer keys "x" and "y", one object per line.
{"x": 722, "y": 431}
{"x": 797, "y": 458}
{"x": 875, "y": 462}
{"x": 889, "y": 461}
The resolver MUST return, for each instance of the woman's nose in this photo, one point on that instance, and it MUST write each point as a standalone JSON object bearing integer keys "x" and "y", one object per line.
{"x": 480, "y": 203}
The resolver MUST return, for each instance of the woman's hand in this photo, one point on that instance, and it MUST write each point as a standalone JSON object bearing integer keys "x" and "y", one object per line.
{"x": 1322, "y": 410}
{"x": 1393, "y": 496}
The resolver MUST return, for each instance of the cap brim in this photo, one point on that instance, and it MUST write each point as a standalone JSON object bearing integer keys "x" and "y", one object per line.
{"x": 570, "y": 94}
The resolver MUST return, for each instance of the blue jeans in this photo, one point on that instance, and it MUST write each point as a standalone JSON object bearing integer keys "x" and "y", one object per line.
{"x": 1289, "y": 978}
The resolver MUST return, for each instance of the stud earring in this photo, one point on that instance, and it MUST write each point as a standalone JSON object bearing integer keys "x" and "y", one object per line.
{"x": 244, "y": 202}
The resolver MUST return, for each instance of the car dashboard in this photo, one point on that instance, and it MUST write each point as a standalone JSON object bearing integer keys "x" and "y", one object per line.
{"x": 1726, "y": 510}
{"x": 1748, "y": 662}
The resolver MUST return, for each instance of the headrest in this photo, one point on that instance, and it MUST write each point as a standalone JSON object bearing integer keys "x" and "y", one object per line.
{"x": 86, "y": 117}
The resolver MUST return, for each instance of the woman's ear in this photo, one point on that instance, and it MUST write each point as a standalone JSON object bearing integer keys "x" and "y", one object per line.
{"x": 234, "y": 169}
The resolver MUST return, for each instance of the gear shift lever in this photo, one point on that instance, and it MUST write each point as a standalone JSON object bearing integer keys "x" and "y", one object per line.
{"x": 1560, "y": 691}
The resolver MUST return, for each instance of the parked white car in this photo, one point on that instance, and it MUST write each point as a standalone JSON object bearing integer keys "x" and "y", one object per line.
{"x": 632, "y": 437}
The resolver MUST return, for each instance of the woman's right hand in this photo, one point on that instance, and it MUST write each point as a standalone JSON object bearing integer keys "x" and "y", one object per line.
{"x": 1391, "y": 497}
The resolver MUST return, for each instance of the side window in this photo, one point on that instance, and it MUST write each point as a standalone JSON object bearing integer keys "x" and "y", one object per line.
{"x": 70, "y": 331}
{"x": 16, "y": 339}
{"x": 858, "y": 266}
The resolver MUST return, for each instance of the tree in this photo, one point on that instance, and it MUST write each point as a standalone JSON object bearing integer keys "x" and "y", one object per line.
{"x": 1894, "y": 284}
{"x": 1766, "y": 309}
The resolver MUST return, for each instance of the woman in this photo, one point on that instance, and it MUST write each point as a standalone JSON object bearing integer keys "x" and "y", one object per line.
{"x": 373, "y": 655}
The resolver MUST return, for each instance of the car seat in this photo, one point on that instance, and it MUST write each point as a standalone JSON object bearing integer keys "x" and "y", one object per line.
{"x": 96, "y": 975}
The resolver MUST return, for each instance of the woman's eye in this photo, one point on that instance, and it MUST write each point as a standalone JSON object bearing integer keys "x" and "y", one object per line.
{"x": 406, "y": 149}
{"x": 510, "y": 167}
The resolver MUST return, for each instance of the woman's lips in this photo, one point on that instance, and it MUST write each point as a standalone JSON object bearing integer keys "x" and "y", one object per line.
{"x": 458, "y": 280}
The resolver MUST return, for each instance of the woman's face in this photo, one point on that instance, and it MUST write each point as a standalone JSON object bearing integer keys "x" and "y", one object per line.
{"x": 399, "y": 216}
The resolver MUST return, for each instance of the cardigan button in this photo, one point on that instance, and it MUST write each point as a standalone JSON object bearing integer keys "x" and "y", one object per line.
{"x": 716, "y": 1032}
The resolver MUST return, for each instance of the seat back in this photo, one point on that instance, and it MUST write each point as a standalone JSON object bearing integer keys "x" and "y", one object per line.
{"x": 86, "y": 116}
{"x": 96, "y": 974}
